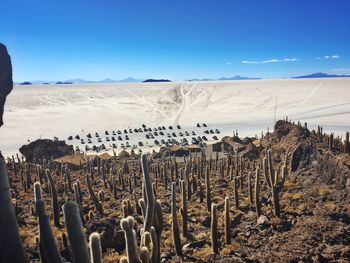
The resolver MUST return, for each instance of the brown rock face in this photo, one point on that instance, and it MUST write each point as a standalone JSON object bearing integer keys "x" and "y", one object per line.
{"x": 45, "y": 149}
{"x": 6, "y": 83}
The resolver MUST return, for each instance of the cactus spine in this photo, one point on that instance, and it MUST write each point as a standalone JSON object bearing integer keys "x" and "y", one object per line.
{"x": 75, "y": 233}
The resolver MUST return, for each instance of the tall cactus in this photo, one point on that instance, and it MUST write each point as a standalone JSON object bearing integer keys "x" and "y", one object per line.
{"x": 47, "y": 240}
{"x": 95, "y": 247}
{"x": 227, "y": 221}
{"x": 127, "y": 225}
{"x": 174, "y": 223}
{"x": 257, "y": 193}
{"x": 346, "y": 143}
{"x": 207, "y": 189}
{"x": 158, "y": 223}
{"x": 56, "y": 211}
{"x": 149, "y": 193}
{"x": 183, "y": 208}
{"x": 76, "y": 236}
{"x": 10, "y": 244}
{"x": 155, "y": 255}
{"x": 273, "y": 181}
{"x": 97, "y": 203}
{"x": 250, "y": 189}
{"x": 214, "y": 230}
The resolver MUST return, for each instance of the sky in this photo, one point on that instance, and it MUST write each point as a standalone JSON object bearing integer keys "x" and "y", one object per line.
{"x": 175, "y": 39}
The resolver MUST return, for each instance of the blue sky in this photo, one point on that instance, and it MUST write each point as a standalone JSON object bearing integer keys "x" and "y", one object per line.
{"x": 179, "y": 39}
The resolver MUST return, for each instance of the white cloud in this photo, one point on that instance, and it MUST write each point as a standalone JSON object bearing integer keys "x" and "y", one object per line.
{"x": 271, "y": 61}
{"x": 291, "y": 59}
{"x": 332, "y": 57}
{"x": 250, "y": 62}
{"x": 228, "y": 63}
{"x": 274, "y": 60}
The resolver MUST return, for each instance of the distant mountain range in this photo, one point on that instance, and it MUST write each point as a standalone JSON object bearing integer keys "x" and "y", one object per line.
{"x": 226, "y": 78}
{"x": 321, "y": 75}
{"x": 81, "y": 81}
{"x": 134, "y": 80}
{"x": 156, "y": 80}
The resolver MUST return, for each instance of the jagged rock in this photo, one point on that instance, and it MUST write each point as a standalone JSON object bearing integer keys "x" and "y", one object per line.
{"x": 247, "y": 140}
{"x": 6, "y": 83}
{"x": 45, "y": 148}
{"x": 251, "y": 152}
{"x": 300, "y": 156}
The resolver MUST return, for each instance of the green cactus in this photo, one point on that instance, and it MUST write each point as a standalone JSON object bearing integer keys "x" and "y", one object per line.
{"x": 127, "y": 225}
{"x": 183, "y": 208}
{"x": 227, "y": 221}
{"x": 273, "y": 181}
{"x": 214, "y": 230}
{"x": 207, "y": 188}
{"x": 346, "y": 144}
{"x": 76, "y": 236}
{"x": 55, "y": 207}
{"x": 155, "y": 255}
{"x": 250, "y": 188}
{"x": 174, "y": 223}
{"x": 97, "y": 203}
{"x": 95, "y": 247}
{"x": 77, "y": 195}
{"x": 149, "y": 193}
{"x": 235, "y": 191}
{"x": 10, "y": 244}
{"x": 257, "y": 193}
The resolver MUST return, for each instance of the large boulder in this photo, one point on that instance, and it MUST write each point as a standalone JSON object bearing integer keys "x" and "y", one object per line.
{"x": 6, "y": 83}
{"x": 251, "y": 152}
{"x": 300, "y": 156}
{"x": 45, "y": 148}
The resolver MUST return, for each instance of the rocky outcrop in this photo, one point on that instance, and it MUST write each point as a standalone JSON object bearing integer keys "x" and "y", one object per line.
{"x": 251, "y": 152}
{"x": 288, "y": 131}
{"x": 45, "y": 148}
{"x": 6, "y": 83}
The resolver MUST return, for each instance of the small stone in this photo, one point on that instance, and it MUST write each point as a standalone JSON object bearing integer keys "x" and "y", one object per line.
{"x": 262, "y": 220}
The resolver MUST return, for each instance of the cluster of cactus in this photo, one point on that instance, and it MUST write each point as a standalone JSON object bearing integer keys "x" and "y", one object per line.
{"x": 191, "y": 179}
